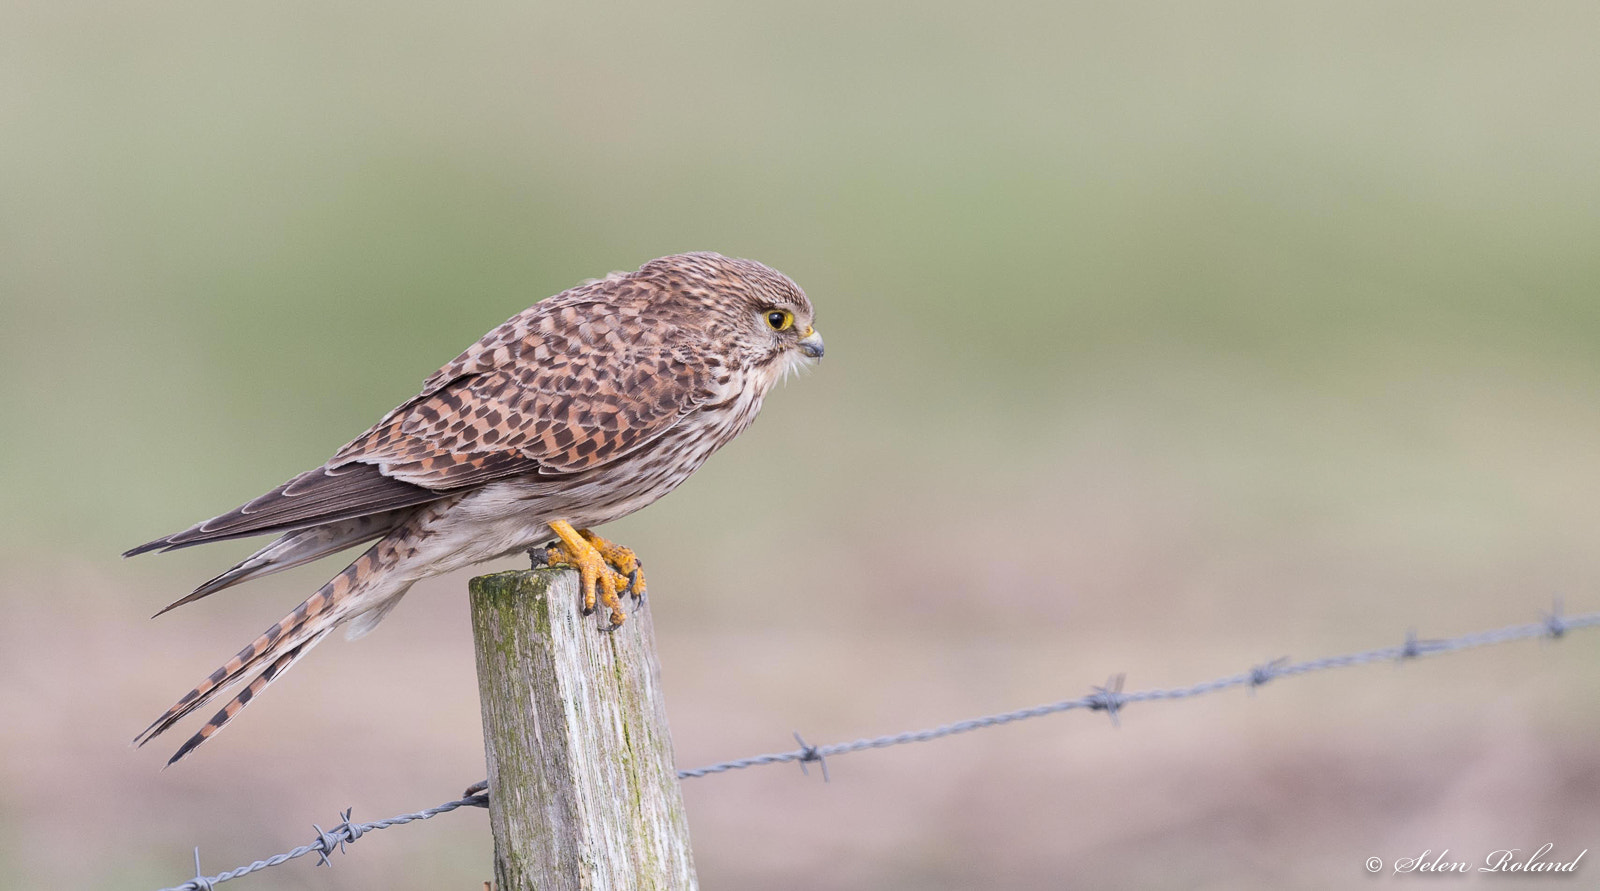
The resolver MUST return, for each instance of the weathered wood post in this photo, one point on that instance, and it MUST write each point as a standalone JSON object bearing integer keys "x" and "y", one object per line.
{"x": 583, "y": 791}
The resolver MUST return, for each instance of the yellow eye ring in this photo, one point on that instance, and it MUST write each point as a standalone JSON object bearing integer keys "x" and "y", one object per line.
{"x": 778, "y": 320}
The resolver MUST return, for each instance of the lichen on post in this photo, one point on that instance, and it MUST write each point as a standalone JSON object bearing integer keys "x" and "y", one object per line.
{"x": 583, "y": 790}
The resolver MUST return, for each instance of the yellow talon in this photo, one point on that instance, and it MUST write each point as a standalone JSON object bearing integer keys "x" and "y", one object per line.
{"x": 594, "y": 558}
{"x": 620, "y": 558}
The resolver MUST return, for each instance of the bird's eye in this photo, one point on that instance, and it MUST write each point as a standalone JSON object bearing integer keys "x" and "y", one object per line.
{"x": 780, "y": 320}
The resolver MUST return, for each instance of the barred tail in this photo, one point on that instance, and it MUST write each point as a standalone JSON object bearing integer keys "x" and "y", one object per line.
{"x": 237, "y": 704}
{"x": 278, "y": 648}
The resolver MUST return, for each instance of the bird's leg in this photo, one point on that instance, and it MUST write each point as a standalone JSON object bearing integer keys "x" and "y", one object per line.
{"x": 595, "y": 576}
{"x": 620, "y": 558}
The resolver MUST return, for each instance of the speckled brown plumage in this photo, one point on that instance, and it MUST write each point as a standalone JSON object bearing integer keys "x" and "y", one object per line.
{"x": 584, "y": 408}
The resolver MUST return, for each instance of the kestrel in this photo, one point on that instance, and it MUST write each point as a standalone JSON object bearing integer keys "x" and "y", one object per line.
{"x": 580, "y": 410}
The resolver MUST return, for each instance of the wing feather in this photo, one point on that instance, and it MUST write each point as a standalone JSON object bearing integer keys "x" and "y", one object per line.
{"x": 319, "y": 496}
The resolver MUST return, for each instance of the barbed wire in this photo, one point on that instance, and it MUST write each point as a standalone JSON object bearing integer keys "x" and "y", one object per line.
{"x": 327, "y": 842}
{"x": 1111, "y": 700}
{"x": 1108, "y": 698}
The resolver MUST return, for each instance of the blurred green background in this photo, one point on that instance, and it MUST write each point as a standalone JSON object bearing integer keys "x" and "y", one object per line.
{"x": 1162, "y": 338}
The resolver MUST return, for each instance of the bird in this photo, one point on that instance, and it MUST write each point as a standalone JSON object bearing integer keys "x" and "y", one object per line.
{"x": 580, "y": 410}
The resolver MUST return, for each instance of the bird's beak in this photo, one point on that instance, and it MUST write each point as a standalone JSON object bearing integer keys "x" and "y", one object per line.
{"x": 811, "y": 344}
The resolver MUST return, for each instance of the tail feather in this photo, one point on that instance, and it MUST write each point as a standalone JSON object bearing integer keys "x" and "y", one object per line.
{"x": 277, "y": 648}
{"x": 287, "y": 632}
{"x": 237, "y": 704}
{"x": 296, "y": 549}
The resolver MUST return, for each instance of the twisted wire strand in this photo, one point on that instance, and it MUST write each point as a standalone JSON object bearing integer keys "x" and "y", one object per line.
{"x": 1109, "y": 698}
{"x": 327, "y": 843}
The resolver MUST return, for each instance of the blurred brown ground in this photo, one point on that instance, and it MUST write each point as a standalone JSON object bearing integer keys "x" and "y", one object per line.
{"x": 1163, "y": 339}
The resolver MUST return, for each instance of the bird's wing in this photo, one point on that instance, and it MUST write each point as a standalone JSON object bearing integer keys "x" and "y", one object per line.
{"x": 557, "y": 403}
{"x": 572, "y": 383}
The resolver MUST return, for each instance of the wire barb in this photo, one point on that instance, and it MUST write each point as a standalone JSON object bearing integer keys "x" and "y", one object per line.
{"x": 1553, "y": 623}
{"x": 1266, "y": 671}
{"x": 809, "y": 752}
{"x": 1109, "y": 698}
{"x": 352, "y": 831}
{"x": 199, "y": 882}
{"x": 329, "y": 842}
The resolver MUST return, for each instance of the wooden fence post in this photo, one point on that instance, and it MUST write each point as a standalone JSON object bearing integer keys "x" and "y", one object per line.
{"x": 583, "y": 790}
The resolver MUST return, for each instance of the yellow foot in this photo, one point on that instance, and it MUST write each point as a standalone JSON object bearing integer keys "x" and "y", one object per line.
{"x": 604, "y": 569}
{"x": 621, "y": 559}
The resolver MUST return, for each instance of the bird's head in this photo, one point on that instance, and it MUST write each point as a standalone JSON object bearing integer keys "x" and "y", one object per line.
{"x": 759, "y": 317}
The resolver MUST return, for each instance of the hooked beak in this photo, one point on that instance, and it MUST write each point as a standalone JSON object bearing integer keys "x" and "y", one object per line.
{"x": 811, "y": 344}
